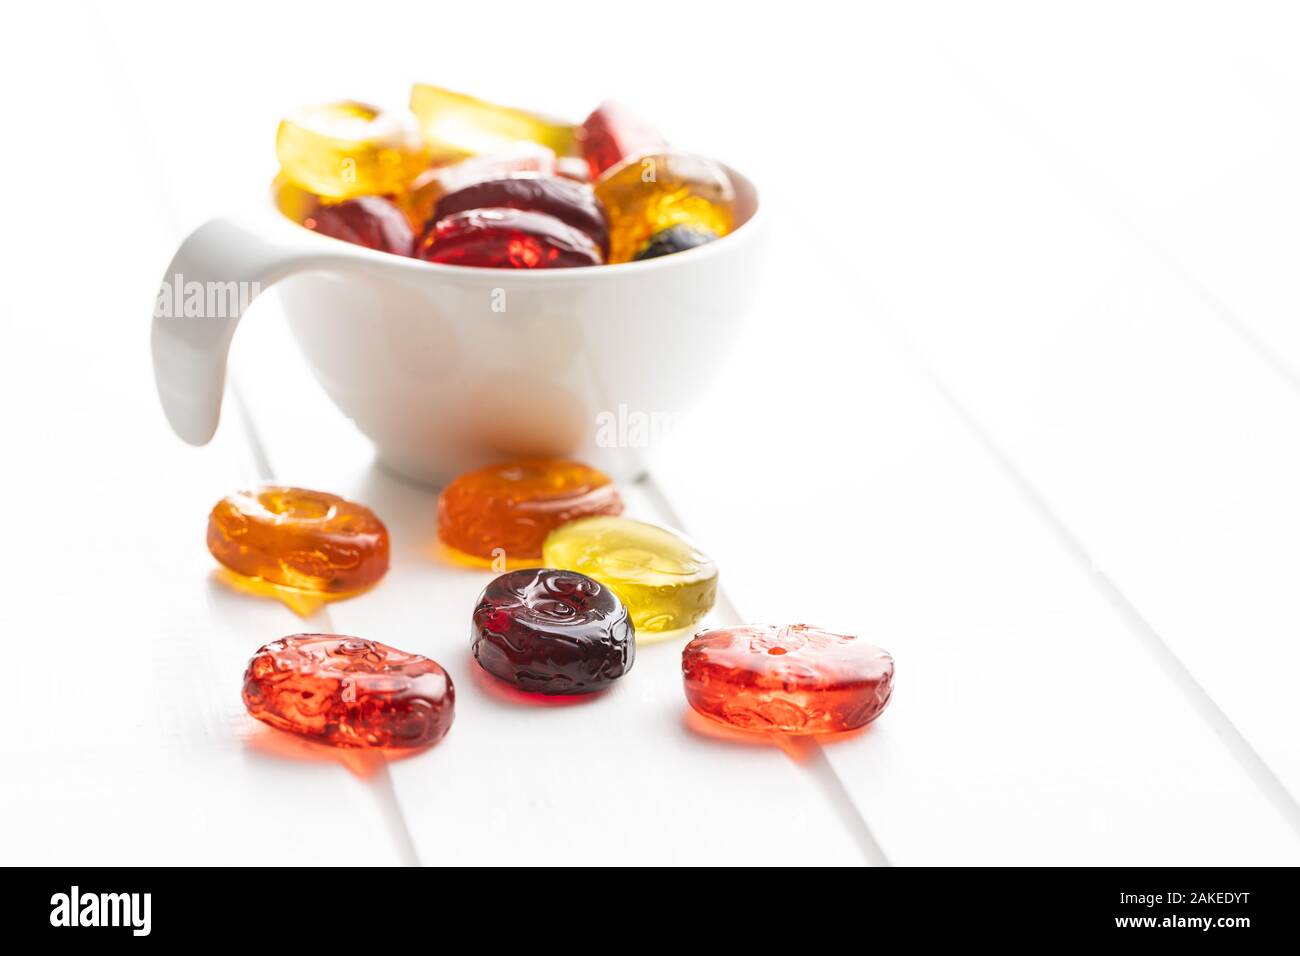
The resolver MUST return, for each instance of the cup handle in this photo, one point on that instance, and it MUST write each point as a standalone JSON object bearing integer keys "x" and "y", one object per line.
{"x": 217, "y": 271}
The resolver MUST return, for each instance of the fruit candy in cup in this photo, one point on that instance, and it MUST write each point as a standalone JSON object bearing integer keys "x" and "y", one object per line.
{"x": 647, "y": 195}
{"x": 370, "y": 221}
{"x": 569, "y": 202}
{"x": 434, "y": 183}
{"x": 345, "y": 149}
{"x": 507, "y": 239}
{"x": 797, "y": 679}
{"x": 666, "y": 582}
{"x": 454, "y": 122}
{"x": 552, "y": 632}
{"x": 348, "y": 692}
{"x": 613, "y": 133}
{"x": 506, "y": 510}
{"x": 296, "y": 538}
{"x": 673, "y": 239}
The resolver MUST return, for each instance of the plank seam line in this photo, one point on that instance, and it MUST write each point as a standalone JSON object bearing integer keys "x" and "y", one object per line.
{"x": 814, "y": 760}
{"x": 381, "y": 783}
{"x": 1248, "y": 758}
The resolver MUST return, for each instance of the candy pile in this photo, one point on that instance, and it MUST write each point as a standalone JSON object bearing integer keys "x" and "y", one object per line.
{"x": 564, "y": 622}
{"x": 464, "y": 182}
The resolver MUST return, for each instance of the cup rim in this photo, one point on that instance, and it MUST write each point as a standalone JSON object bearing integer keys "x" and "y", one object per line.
{"x": 741, "y": 233}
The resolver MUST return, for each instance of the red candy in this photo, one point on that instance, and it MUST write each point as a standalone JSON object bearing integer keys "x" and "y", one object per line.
{"x": 508, "y": 239}
{"x": 349, "y": 692}
{"x": 370, "y": 221}
{"x": 789, "y": 680}
{"x": 569, "y": 202}
{"x": 613, "y": 133}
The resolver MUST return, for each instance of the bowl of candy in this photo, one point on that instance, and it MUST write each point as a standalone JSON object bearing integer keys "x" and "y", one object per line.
{"x": 470, "y": 282}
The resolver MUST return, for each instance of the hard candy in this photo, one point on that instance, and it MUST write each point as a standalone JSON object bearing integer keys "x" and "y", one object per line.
{"x": 665, "y": 581}
{"x": 646, "y": 195}
{"x": 431, "y": 185}
{"x": 552, "y": 632}
{"x": 507, "y": 239}
{"x": 345, "y": 149}
{"x": 789, "y": 680}
{"x": 370, "y": 221}
{"x": 613, "y": 133}
{"x": 298, "y": 538}
{"x": 464, "y": 124}
{"x": 349, "y": 692}
{"x": 569, "y": 202}
{"x": 505, "y": 511}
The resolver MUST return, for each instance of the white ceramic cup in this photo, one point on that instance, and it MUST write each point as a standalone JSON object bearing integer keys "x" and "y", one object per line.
{"x": 447, "y": 368}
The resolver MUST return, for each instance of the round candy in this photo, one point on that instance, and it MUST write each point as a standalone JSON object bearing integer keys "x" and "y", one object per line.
{"x": 789, "y": 680}
{"x": 349, "y": 692}
{"x": 666, "y": 583}
{"x": 370, "y": 221}
{"x": 570, "y": 202}
{"x": 300, "y": 539}
{"x": 346, "y": 149}
{"x": 613, "y": 133}
{"x": 507, "y": 239}
{"x": 645, "y": 195}
{"x": 506, "y": 511}
{"x": 674, "y": 239}
{"x": 431, "y": 185}
{"x": 552, "y": 632}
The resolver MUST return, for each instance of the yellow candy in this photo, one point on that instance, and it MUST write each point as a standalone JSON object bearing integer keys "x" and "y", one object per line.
{"x": 648, "y": 194}
{"x": 454, "y": 122}
{"x": 346, "y": 149}
{"x": 666, "y": 583}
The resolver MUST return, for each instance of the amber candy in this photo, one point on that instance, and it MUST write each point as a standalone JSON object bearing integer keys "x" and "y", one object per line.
{"x": 301, "y": 539}
{"x": 507, "y": 510}
{"x": 349, "y": 692}
{"x": 507, "y": 239}
{"x": 552, "y": 632}
{"x": 345, "y": 149}
{"x": 649, "y": 194}
{"x": 370, "y": 221}
{"x": 796, "y": 679}
{"x": 463, "y": 124}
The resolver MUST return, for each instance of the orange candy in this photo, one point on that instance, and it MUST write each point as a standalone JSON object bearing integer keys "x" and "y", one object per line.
{"x": 301, "y": 539}
{"x": 505, "y": 511}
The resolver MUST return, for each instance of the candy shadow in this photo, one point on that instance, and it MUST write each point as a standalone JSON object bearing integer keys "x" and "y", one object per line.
{"x": 799, "y": 748}
{"x": 499, "y": 690}
{"x": 303, "y": 603}
{"x": 271, "y": 744}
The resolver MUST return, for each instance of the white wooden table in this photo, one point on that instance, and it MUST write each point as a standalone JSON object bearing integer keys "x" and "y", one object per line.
{"x": 1020, "y": 402}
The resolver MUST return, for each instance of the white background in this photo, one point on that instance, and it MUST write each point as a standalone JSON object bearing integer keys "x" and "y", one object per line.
{"x": 1020, "y": 402}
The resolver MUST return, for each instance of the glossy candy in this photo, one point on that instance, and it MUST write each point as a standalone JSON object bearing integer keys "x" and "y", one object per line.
{"x": 666, "y": 583}
{"x": 432, "y": 184}
{"x": 370, "y": 221}
{"x": 301, "y": 539}
{"x": 648, "y": 194}
{"x": 613, "y": 133}
{"x": 569, "y": 202}
{"x": 673, "y": 239}
{"x": 349, "y": 692}
{"x": 789, "y": 680}
{"x": 507, "y": 510}
{"x": 507, "y": 239}
{"x": 457, "y": 123}
{"x": 552, "y": 632}
{"x": 346, "y": 149}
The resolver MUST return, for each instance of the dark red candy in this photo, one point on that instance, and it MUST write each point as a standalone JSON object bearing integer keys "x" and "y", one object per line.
{"x": 370, "y": 221}
{"x": 613, "y": 133}
{"x": 570, "y": 202}
{"x": 552, "y": 632}
{"x": 507, "y": 239}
